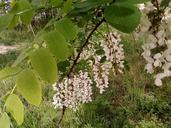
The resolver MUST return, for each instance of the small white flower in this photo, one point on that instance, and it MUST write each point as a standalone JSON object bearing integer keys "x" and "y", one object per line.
{"x": 151, "y": 39}
{"x": 158, "y": 82}
{"x": 168, "y": 58}
{"x": 157, "y": 63}
{"x": 168, "y": 43}
{"x": 73, "y": 91}
{"x": 157, "y": 56}
{"x": 149, "y": 68}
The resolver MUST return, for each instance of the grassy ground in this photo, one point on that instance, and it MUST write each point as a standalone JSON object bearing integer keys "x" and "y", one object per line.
{"x": 132, "y": 101}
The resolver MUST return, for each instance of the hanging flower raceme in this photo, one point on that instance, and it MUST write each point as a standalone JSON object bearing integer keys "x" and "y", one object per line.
{"x": 73, "y": 91}
{"x": 101, "y": 74}
{"x": 114, "y": 51}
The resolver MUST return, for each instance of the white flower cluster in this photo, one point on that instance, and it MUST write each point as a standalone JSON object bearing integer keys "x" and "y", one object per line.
{"x": 114, "y": 60}
{"x": 76, "y": 90}
{"x": 101, "y": 74}
{"x": 114, "y": 51}
{"x": 87, "y": 53}
{"x": 157, "y": 49}
{"x": 160, "y": 60}
{"x": 73, "y": 91}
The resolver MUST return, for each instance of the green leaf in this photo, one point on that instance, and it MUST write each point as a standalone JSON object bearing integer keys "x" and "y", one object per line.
{"x": 67, "y": 6}
{"x": 86, "y": 5}
{"x": 165, "y": 3}
{"x": 43, "y": 62}
{"x": 100, "y": 52}
{"x": 57, "y": 44}
{"x": 38, "y": 3}
{"x": 131, "y": 1}
{"x": 24, "y": 9}
{"x": 20, "y": 6}
{"x": 29, "y": 87}
{"x": 63, "y": 65}
{"x": 123, "y": 17}
{"x": 27, "y": 16}
{"x": 24, "y": 54}
{"x": 91, "y": 3}
{"x": 66, "y": 28}
{"x": 56, "y": 3}
{"x": 14, "y": 22}
{"x": 4, "y": 121}
{"x": 9, "y": 71}
{"x": 15, "y": 107}
{"x": 5, "y": 21}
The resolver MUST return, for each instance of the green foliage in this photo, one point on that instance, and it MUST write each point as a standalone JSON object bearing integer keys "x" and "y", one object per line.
{"x": 14, "y": 22}
{"x": 117, "y": 14}
{"x": 165, "y": 3}
{"x": 29, "y": 86}
{"x": 23, "y": 9}
{"x": 5, "y": 21}
{"x": 132, "y": 1}
{"x": 66, "y": 28}
{"x": 43, "y": 62}
{"x": 23, "y": 55}
{"x": 63, "y": 65}
{"x": 9, "y": 71}
{"x": 43, "y": 117}
{"x": 89, "y": 4}
{"x": 38, "y": 3}
{"x": 4, "y": 121}
{"x": 151, "y": 123}
{"x": 57, "y": 44}
{"x": 56, "y": 3}
{"x": 67, "y": 6}
{"x": 15, "y": 107}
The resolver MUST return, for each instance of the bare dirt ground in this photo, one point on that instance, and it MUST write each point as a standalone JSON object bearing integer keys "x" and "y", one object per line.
{"x": 4, "y": 49}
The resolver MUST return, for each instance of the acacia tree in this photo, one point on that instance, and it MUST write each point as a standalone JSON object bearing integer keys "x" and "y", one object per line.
{"x": 76, "y": 49}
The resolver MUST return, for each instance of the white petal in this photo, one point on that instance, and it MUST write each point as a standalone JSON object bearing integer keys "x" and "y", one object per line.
{"x": 149, "y": 68}
{"x": 168, "y": 58}
{"x": 158, "y": 82}
{"x": 157, "y": 56}
{"x": 168, "y": 43}
{"x": 157, "y": 63}
{"x": 160, "y": 75}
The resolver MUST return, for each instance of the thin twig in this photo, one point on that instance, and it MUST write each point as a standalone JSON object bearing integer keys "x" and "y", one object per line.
{"x": 157, "y": 6}
{"x": 62, "y": 115}
{"x": 83, "y": 46}
{"x": 32, "y": 30}
{"x": 12, "y": 91}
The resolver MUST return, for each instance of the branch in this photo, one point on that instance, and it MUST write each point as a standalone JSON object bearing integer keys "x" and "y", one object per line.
{"x": 157, "y": 5}
{"x": 83, "y": 46}
{"x": 62, "y": 115}
{"x": 77, "y": 58}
